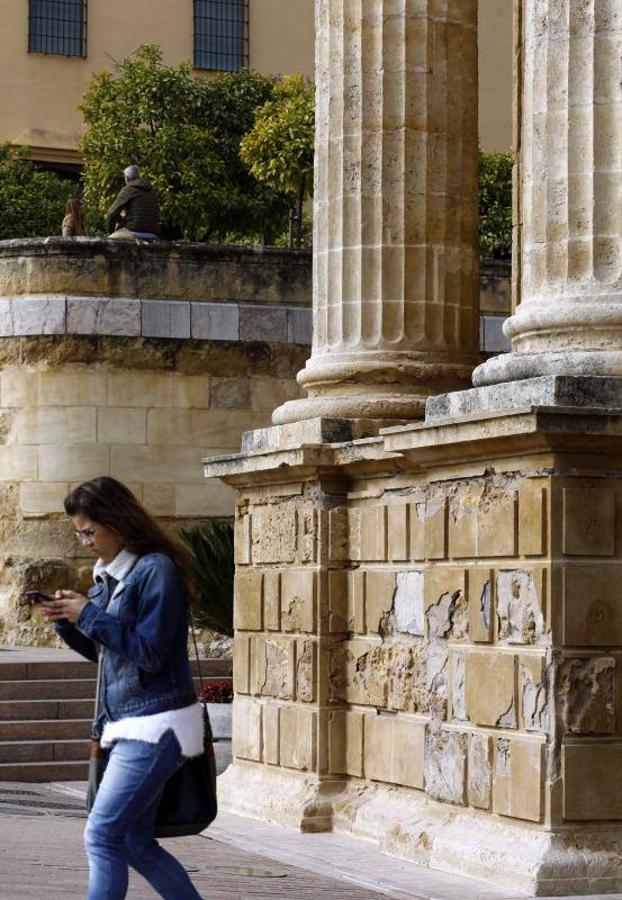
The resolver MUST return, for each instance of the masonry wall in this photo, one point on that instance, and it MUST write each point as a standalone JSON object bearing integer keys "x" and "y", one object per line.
{"x": 135, "y": 362}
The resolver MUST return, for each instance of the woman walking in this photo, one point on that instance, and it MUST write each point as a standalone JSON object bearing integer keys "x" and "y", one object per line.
{"x": 137, "y": 616}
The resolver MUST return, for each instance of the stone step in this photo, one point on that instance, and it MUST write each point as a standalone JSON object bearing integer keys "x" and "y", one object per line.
{"x": 45, "y": 709}
{"x": 44, "y": 751}
{"x": 50, "y": 729}
{"x": 56, "y": 689}
{"x": 46, "y": 671}
{"x": 44, "y": 771}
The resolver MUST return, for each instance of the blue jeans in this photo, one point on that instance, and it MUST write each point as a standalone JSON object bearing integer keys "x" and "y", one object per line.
{"x": 119, "y": 831}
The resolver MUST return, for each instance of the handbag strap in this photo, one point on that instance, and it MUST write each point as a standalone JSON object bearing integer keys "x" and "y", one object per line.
{"x": 196, "y": 650}
{"x": 98, "y": 687}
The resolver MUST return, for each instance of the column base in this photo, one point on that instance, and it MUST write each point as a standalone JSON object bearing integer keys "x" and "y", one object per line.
{"x": 301, "y": 801}
{"x": 406, "y": 824}
{"x": 512, "y": 367}
{"x": 512, "y": 855}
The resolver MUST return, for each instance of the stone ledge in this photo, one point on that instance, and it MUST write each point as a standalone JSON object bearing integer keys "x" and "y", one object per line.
{"x": 48, "y": 314}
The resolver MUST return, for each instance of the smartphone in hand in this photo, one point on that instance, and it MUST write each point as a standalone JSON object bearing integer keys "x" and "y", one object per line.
{"x": 39, "y": 597}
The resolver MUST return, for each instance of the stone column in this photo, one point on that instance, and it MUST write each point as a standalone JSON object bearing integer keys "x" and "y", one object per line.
{"x": 395, "y": 241}
{"x": 569, "y": 317}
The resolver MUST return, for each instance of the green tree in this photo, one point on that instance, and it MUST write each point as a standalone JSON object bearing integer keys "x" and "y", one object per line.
{"x": 184, "y": 133}
{"x": 279, "y": 148}
{"x": 495, "y": 204}
{"x": 32, "y": 202}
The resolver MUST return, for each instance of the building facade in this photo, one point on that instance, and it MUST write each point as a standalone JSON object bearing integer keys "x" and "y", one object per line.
{"x": 50, "y": 49}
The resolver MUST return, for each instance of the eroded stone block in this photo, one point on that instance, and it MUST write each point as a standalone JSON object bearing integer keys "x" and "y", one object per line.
{"x": 490, "y": 688}
{"x": 416, "y": 522}
{"x": 298, "y": 600}
{"x": 446, "y": 766}
{"x": 379, "y": 593}
{"x": 356, "y": 601}
{"x": 398, "y": 532}
{"x": 307, "y": 539}
{"x": 305, "y": 670}
{"x": 481, "y": 605}
{"x": 409, "y": 603}
{"x": 273, "y": 667}
{"x": 458, "y": 704}
{"x": 446, "y": 603}
{"x": 520, "y": 606}
{"x": 274, "y": 534}
{"x": 480, "y": 771}
{"x": 589, "y": 522}
{"x": 533, "y": 687}
{"x": 242, "y": 541}
{"x": 272, "y": 601}
{"x": 586, "y": 695}
{"x": 462, "y": 524}
{"x": 338, "y": 601}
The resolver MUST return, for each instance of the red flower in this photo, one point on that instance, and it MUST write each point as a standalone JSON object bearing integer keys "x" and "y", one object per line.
{"x": 217, "y": 690}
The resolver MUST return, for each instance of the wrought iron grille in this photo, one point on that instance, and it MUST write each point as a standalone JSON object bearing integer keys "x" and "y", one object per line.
{"x": 221, "y": 34}
{"x": 57, "y": 27}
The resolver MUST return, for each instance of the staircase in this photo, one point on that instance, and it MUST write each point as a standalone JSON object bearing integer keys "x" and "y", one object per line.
{"x": 46, "y": 710}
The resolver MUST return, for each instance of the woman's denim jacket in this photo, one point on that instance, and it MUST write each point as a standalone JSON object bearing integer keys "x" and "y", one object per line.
{"x": 143, "y": 630}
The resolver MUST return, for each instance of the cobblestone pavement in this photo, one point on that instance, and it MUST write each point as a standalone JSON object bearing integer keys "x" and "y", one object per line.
{"x": 41, "y": 855}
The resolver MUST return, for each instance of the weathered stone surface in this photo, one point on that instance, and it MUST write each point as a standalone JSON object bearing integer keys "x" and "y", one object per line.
{"x": 297, "y": 738}
{"x": 446, "y": 766}
{"x": 273, "y": 667}
{"x": 408, "y": 603}
{"x": 39, "y": 315}
{"x": 481, "y": 605}
{"x": 534, "y": 697}
{"x": 305, "y": 671}
{"x": 592, "y": 781}
{"x": 480, "y": 771}
{"x": 490, "y": 689}
{"x": 517, "y": 779}
{"x": 520, "y": 606}
{"x": 592, "y": 612}
{"x": 589, "y": 522}
{"x": 394, "y": 750}
{"x": 248, "y": 600}
{"x": 446, "y": 603}
{"x": 215, "y": 321}
{"x": 458, "y": 702}
{"x": 274, "y": 535}
{"x": 104, "y": 315}
{"x": 298, "y": 600}
{"x": 165, "y": 318}
{"x": 247, "y": 728}
{"x": 586, "y": 695}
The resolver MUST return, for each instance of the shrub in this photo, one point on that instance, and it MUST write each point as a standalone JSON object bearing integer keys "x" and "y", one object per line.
{"x": 217, "y": 691}
{"x": 211, "y": 547}
{"x": 32, "y": 201}
{"x": 495, "y": 204}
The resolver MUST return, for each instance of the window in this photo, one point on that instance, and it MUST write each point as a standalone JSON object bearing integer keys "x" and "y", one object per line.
{"x": 57, "y": 26}
{"x": 221, "y": 34}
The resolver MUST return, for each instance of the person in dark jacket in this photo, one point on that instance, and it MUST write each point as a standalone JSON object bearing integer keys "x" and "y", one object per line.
{"x": 135, "y": 212}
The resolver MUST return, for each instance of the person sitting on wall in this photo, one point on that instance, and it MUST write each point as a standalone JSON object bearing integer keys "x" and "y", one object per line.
{"x": 73, "y": 223}
{"x": 135, "y": 212}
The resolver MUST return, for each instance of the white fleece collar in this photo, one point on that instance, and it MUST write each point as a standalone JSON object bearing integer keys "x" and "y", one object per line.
{"x": 186, "y": 723}
{"x": 120, "y": 566}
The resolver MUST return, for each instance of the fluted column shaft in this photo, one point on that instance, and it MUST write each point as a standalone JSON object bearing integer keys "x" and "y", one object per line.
{"x": 395, "y": 231}
{"x": 569, "y": 316}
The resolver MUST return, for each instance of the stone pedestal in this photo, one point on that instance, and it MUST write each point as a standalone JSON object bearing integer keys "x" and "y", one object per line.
{"x": 429, "y": 641}
{"x": 395, "y": 226}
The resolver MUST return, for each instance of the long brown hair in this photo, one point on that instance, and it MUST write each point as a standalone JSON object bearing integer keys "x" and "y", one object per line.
{"x": 109, "y": 502}
{"x": 74, "y": 208}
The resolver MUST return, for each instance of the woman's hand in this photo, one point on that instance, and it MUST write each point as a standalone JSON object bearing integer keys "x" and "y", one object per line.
{"x": 67, "y": 605}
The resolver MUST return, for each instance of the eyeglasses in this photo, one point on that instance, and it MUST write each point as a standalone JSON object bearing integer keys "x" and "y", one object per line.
{"x": 85, "y": 535}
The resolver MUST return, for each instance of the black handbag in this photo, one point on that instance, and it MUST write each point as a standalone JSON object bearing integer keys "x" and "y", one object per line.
{"x": 188, "y": 803}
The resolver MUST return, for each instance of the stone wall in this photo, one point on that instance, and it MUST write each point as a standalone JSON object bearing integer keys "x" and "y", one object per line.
{"x": 134, "y": 361}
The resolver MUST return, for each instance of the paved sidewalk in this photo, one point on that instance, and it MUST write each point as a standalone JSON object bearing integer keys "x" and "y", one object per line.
{"x": 41, "y": 855}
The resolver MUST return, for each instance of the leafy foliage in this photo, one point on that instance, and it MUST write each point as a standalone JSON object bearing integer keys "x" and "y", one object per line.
{"x": 32, "y": 201}
{"x": 495, "y": 204}
{"x": 184, "y": 133}
{"x": 279, "y": 148}
{"x": 211, "y": 546}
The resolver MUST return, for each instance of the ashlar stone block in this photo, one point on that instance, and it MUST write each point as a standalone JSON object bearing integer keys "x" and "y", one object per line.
{"x": 273, "y": 667}
{"x": 241, "y": 664}
{"x": 271, "y": 733}
{"x": 398, "y": 538}
{"x": 435, "y": 529}
{"x": 589, "y": 522}
{"x": 247, "y": 608}
{"x": 496, "y": 524}
{"x": 338, "y": 601}
{"x": 274, "y": 533}
{"x": 586, "y": 695}
{"x": 394, "y": 750}
{"x": 297, "y": 738}
{"x": 490, "y": 688}
{"x": 247, "y": 715}
{"x": 533, "y": 692}
{"x": 592, "y": 614}
{"x": 446, "y": 766}
{"x": 355, "y": 723}
{"x": 480, "y": 771}
{"x": 592, "y": 781}
{"x": 416, "y": 523}
{"x": 306, "y": 671}
{"x": 272, "y": 601}
{"x": 356, "y": 601}
{"x": 517, "y": 779}
{"x": 445, "y": 603}
{"x": 532, "y": 498}
{"x": 298, "y": 590}
{"x": 373, "y": 534}
{"x": 462, "y": 518}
